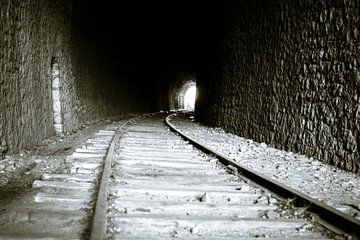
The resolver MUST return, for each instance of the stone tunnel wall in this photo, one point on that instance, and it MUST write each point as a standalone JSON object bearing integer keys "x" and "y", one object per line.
{"x": 32, "y": 34}
{"x": 289, "y": 75}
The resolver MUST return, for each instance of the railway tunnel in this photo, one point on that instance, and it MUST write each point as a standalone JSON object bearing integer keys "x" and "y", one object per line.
{"x": 284, "y": 73}
{"x": 279, "y": 72}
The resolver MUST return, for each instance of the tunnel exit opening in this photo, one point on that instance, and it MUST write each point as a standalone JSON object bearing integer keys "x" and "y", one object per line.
{"x": 189, "y": 98}
{"x": 186, "y": 96}
{"x": 55, "y": 92}
{"x": 182, "y": 92}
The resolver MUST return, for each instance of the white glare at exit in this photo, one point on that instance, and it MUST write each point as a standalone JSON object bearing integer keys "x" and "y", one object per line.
{"x": 189, "y": 98}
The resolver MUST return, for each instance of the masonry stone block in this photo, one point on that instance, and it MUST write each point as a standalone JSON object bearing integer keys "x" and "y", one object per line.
{"x": 56, "y": 83}
{"x": 292, "y": 67}
{"x": 35, "y": 35}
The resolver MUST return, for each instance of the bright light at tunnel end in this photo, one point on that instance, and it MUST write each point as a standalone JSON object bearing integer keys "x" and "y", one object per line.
{"x": 189, "y": 98}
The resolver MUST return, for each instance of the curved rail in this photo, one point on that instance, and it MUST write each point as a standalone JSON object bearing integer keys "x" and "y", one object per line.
{"x": 99, "y": 222}
{"x": 333, "y": 218}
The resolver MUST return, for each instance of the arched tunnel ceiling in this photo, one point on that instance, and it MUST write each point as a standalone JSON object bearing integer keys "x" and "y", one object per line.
{"x": 149, "y": 41}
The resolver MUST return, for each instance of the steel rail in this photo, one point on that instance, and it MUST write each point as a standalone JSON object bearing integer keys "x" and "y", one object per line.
{"x": 99, "y": 221}
{"x": 333, "y": 217}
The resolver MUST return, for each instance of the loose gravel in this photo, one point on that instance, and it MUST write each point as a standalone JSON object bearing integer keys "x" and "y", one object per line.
{"x": 333, "y": 186}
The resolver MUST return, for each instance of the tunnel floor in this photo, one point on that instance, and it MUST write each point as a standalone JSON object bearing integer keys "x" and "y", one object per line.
{"x": 18, "y": 171}
{"x": 328, "y": 184}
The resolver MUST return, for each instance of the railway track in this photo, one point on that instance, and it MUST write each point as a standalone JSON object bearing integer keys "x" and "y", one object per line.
{"x": 145, "y": 182}
{"x": 60, "y": 205}
{"x": 161, "y": 187}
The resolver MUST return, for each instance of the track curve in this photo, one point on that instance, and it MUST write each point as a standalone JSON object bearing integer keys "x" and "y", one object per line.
{"x": 161, "y": 187}
{"x": 330, "y": 217}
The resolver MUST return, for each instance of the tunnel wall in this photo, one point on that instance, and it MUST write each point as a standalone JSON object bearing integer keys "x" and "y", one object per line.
{"x": 288, "y": 75}
{"x": 32, "y": 34}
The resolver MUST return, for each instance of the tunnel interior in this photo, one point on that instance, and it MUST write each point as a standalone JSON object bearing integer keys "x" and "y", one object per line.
{"x": 189, "y": 98}
{"x": 281, "y": 72}
{"x": 182, "y": 92}
{"x": 154, "y": 42}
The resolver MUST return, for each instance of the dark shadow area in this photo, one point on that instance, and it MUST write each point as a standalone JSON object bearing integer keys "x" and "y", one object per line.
{"x": 148, "y": 41}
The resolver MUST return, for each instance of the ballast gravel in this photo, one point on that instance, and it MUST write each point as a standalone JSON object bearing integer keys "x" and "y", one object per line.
{"x": 331, "y": 185}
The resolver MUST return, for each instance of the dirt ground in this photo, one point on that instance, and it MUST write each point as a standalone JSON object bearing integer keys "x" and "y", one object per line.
{"x": 18, "y": 171}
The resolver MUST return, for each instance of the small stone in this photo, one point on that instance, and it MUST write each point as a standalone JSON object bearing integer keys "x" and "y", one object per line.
{"x": 38, "y": 161}
{"x": 244, "y": 188}
{"x": 123, "y": 210}
{"x": 263, "y": 145}
{"x": 27, "y": 173}
{"x": 272, "y": 201}
{"x": 213, "y": 160}
{"x": 3, "y": 181}
{"x": 174, "y": 234}
{"x": 205, "y": 198}
{"x": 195, "y": 230}
{"x": 315, "y": 163}
{"x": 323, "y": 169}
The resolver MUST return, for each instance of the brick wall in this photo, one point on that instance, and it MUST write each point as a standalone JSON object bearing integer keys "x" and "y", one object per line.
{"x": 288, "y": 74}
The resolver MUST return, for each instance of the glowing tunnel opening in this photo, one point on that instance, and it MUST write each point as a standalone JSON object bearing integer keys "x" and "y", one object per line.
{"x": 189, "y": 98}
{"x": 182, "y": 92}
